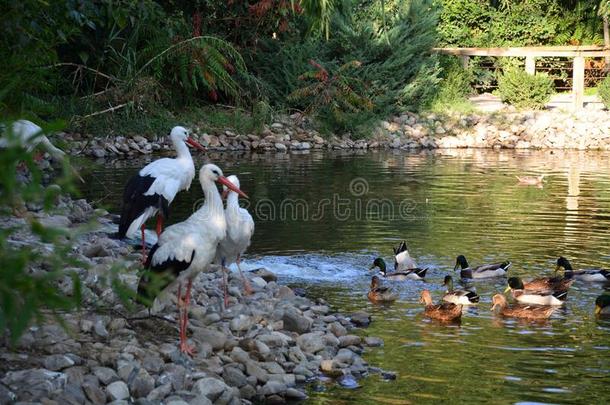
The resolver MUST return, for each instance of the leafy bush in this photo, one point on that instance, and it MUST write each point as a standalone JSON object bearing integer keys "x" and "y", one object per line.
{"x": 455, "y": 85}
{"x": 603, "y": 90}
{"x": 522, "y": 90}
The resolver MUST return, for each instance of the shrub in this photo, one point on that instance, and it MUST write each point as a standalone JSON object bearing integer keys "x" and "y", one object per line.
{"x": 603, "y": 90}
{"x": 522, "y": 90}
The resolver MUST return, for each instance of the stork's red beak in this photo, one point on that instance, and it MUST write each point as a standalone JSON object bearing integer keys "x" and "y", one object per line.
{"x": 195, "y": 144}
{"x": 225, "y": 182}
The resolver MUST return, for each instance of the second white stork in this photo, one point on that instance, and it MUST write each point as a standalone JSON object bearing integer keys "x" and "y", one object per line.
{"x": 29, "y": 135}
{"x": 152, "y": 190}
{"x": 240, "y": 228}
{"x": 187, "y": 248}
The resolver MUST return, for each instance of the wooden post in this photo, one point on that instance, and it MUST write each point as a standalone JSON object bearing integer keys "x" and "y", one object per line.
{"x": 530, "y": 65}
{"x": 578, "y": 81}
{"x": 465, "y": 60}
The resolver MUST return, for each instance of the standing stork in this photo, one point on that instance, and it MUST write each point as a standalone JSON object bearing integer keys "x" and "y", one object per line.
{"x": 151, "y": 191}
{"x": 29, "y": 135}
{"x": 240, "y": 227}
{"x": 187, "y": 248}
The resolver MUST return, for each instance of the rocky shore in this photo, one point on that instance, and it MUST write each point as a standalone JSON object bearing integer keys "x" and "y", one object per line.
{"x": 262, "y": 348}
{"x": 589, "y": 129}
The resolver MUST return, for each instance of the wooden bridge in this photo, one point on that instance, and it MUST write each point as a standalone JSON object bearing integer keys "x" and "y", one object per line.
{"x": 577, "y": 53}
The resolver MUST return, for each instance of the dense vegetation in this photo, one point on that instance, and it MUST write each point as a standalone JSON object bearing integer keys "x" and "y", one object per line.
{"x": 138, "y": 65}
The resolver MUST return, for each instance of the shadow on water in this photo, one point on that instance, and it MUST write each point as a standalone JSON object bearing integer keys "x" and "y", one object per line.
{"x": 322, "y": 217}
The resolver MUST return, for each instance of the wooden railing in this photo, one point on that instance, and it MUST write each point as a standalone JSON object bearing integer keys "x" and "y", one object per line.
{"x": 578, "y": 53}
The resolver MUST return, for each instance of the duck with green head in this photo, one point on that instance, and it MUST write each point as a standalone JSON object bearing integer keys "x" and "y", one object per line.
{"x": 483, "y": 271}
{"x": 589, "y": 275}
{"x": 602, "y": 305}
{"x": 463, "y": 297}
{"x": 413, "y": 274}
{"x": 536, "y": 297}
{"x": 379, "y": 294}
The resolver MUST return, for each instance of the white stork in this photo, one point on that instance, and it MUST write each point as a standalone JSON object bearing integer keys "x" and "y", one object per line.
{"x": 240, "y": 227}
{"x": 187, "y": 248}
{"x": 29, "y": 135}
{"x": 151, "y": 191}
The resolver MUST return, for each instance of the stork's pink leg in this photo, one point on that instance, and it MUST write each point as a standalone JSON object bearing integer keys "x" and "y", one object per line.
{"x": 159, "y": 224}
{"x": 247, "y": 287}
{"x": 143, "y": 244}
{"x": 184, "y": 302}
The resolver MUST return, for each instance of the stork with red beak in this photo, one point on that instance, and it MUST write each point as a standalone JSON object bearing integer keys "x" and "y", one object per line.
{"x": 187, "y": 248}
{"x": 152, "y": 190}
{"x": 240, "y": 227}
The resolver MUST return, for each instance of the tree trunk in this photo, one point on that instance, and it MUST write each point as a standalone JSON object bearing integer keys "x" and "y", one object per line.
{"x": 606, "y": 42}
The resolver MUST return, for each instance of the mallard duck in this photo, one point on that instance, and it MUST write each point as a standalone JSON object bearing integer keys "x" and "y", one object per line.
{"x": 402, "y": 258}
{"x": 413, "y": 274}
{"x": 602, "y": 304}
{"x": 442, "y": 312}
{"x": 548, "y": 283}
{"x": 458, "y": 296}
{"x": 483, "y": 271}
{"x": 380, "y": 294}
{"x": 537, "y": 297}
{"x": 520, "y": 311}
{"x": 590, "y": 275}
{"x": 531, "y": 180}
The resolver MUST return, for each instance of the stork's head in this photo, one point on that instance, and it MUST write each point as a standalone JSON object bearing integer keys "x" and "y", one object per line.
{"x": 212, "y": 173}
{"x": 233, "y": 179}
{"x": 181, "y": 134}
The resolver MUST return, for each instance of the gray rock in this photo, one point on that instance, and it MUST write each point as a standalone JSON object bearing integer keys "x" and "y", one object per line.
{"x": 215, "y": 338}
{"x": 255, "y": 370}
{"x": 92, "y": 390}
{"x": 280, "y": 147}
{"x": 200, "y": 400}
{"x": 311, "y": 342}
{"x": 211, "y": 388}
{"x": 160, "y": 392}
{"x": 34, "y": 383}
{"x": 295, "y": 322}
{"x": 153, "y": 363}
{"x": 361, "y": 319}
{"x": 57, "y": 362}
{"x": 99, "y": 328}
{"x": 55, "y": 221}
{"x": 240, "y": 323}
{"x": 234, "y": 377}
{"x": 142, "y": 384}
{"x": 247, "y": 392}
{"x": 372, "y": 341}
{"x": 264, "y": 274}
{"x": 337, "y": 329}
{"x": 98, "y": 152}
{"x": 72, "y": 394}
{"x": 177, "y": 402}
{"x": 295, "y": 394}
{"x": 349, "y": 340}
{"x": 118, "y": 390}
{"x": 239, "y": 355}
{"x": 174, "y": 374}
{"x": 273, "y": 387}
{"x": 106, "y": 375}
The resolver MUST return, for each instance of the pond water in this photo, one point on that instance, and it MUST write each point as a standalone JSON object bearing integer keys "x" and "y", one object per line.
{"x": 322, "y": 217}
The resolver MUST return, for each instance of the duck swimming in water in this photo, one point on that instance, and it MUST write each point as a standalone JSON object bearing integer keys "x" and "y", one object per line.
{"x": 483, "y": 271}
{"x": 463, "y": 297}
{"x": 413, "y": 274}
{"x": 379, "y": 294}
{"x": 402, "y": 258}
{"x": 520, "y": 311}
{"x": 589, "y": 275}
{"x": 602, "y": 304}
{"x": 536, "y": 297}
{"x": 442, "y": 312}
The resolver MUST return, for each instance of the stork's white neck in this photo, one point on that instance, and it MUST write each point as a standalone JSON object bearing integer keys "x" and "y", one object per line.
{"x": 232, "y": 201}
{"x": 212, "y": 209}
{"x": 182, "y": 150}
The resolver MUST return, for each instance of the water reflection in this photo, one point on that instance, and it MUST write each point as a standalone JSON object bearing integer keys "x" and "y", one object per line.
{"x": 464, "y": 202}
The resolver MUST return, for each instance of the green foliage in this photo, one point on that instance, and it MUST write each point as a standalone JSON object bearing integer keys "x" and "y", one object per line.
{"x": 522, "y": 90}
{"x": 454, "y": 87}
{"x": 28, "y": 277}
{"x": 603, "y": 90}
